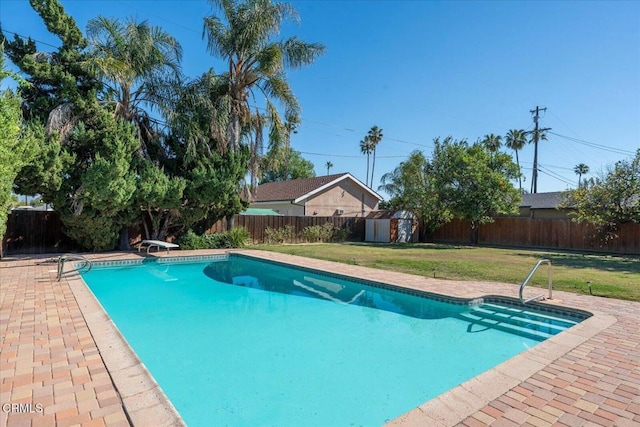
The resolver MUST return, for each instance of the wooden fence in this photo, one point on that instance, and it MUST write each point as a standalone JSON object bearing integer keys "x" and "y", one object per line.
{"x": 32, "y": 232}
{"x": 38, "y": 232}
{"x": 541, "y": 233}
{"x": 35, "y": 232}
{"x": 257, "y": 224}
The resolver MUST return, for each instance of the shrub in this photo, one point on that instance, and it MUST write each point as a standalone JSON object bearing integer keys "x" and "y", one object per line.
{"x": 234, "y": 238}
{"x": 319, "y": 233}
{"x": 342, "y": 234}
{"x": 279, "y": 235}
{"x": 190, "y": 240}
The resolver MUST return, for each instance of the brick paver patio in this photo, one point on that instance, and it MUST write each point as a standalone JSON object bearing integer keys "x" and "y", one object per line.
{"x": 63, "y": 363}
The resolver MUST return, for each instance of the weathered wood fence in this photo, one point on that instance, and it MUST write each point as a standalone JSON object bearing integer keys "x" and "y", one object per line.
{"x": 31, "y": 232}
{"x": 35, "y": 232}
{"x": 541, "y": 233}
{"x": 257, "y": 224}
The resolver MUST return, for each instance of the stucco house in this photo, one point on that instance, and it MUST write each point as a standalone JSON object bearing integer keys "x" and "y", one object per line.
{"x": 329, "y": 195}
{"x": 544, "y": 205}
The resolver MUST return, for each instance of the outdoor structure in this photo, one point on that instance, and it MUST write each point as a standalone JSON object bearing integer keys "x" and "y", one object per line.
{"x": 544, "y": 205}
{"x": 391, "y": 227}
{"x": 258, "y": 211}
{"x": 328, "y": 195}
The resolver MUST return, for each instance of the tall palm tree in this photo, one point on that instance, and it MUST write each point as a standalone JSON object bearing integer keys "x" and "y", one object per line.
{"x": 243, "y": 37}
{"x": 492, "y": 142}
{"x": 134, "y": 61}
{"x": 375, "y": 136}
{"x": 366, "y": 148}
{"x": 516, "y": 140}
{"x": 581, "y": 169}
{"x": 329, "y": 165}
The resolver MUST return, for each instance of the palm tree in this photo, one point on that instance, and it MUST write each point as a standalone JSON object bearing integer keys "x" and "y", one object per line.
{"x": 492, "y": 142}
{"x": 366, "y": 148}
{"x": 329, "y": 165}
{"x": 134, "y": 61}
{"x": 581, "y": 169}
{"x": 516, "y": 140}
{"x": 375, "y": 136}
{"x": 242, "y": 37}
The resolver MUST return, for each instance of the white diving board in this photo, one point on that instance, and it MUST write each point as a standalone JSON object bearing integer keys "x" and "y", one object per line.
{"x": 157, "y": 244}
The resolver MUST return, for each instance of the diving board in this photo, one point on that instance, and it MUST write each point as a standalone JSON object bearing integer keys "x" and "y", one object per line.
{"x": 158, "y": 244}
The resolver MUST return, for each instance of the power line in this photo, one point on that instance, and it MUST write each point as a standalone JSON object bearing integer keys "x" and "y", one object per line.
{"x": 349, "y": 156}
{"x": 594, "y": 145}
{"x": 29, "y": 37}
{"x": 554, "y": 175}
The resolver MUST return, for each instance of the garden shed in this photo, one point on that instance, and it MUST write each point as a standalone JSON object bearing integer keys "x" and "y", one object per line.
{"x": 391, "y": 227}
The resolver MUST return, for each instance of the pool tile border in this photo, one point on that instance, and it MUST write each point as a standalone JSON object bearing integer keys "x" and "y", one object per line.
{"x": 512, "y": 302}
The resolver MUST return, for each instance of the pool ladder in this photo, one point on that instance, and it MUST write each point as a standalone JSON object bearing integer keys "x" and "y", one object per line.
{"x": 72, "y": 257}
{"x": 533, "y": 270}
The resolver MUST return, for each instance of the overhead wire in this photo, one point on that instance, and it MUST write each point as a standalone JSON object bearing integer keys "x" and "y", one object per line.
{"x": 594, "y": 145}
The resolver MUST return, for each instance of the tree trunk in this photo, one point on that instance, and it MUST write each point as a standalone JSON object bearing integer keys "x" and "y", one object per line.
{"x": 474, "y": 233}
{"x": 367, "y": 178}
{"x": 123, "y": 244}
{"x": 519, "y": 172}
{"x": 230, "y": 222}
{"x": 373, "y": 167}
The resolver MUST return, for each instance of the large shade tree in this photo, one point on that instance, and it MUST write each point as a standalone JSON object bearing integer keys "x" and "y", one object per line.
{"x": 17, "y": 145}
{"x": 463, "y": 181}
{"x": 297, "y": 167}
{"x": 136, "y": 62}
{"x": 474, "y": 181}
{"x": 85, "y": 166}
{"x": 412, "y": 187}
{"x": 609, "y": 201}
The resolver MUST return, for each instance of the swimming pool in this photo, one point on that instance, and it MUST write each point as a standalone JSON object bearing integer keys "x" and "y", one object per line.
{"x": 244, "y": 342}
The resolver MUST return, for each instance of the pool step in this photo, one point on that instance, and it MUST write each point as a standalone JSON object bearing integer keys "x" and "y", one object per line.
{"x": 518, "y": 313}
{"x": 534, "y": 325}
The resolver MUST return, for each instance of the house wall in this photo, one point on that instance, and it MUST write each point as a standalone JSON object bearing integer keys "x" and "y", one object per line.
{"x": 347, "y": 196}
{"x": 282, "y": 208}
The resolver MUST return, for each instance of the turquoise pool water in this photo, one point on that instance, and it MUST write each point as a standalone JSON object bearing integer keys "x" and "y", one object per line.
{"x": 243, "y": 342}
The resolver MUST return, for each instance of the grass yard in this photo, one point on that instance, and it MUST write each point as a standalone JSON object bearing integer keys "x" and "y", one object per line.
{"x": 610, "y": 276}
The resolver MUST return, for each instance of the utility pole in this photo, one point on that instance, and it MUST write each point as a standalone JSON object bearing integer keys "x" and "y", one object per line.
{"x": 537, "y": 132}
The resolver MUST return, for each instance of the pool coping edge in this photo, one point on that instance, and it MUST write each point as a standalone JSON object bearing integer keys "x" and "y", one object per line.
{"x": 144, "y": 399}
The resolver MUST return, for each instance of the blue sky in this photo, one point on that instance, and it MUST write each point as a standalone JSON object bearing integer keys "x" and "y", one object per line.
{"x": 426, "y": 69}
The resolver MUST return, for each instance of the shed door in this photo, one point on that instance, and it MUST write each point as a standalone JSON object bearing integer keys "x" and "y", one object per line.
{"x": 378, "y": 230}
{"x": 404, "y": 230}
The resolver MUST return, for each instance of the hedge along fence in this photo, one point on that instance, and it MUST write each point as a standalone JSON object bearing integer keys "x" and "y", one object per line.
{"x": 541, "y": 233}
{"x": 257, "y": 226}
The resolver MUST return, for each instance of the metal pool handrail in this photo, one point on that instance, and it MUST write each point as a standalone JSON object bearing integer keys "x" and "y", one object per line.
{"x": 533, "y": 270}
{"x": 68, "y": 257}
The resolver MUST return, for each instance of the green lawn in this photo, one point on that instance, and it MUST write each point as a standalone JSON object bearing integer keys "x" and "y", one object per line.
{"x": 610, "y": 276}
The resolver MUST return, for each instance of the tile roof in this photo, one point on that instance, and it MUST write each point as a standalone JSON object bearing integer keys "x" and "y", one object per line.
{"x": 291, "y": 190}
{"x": 543, "y": 200}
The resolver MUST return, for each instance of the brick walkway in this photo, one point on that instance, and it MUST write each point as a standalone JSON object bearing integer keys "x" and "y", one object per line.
{"x": 57, "y": 344}
{"x": 48, "y": 357}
